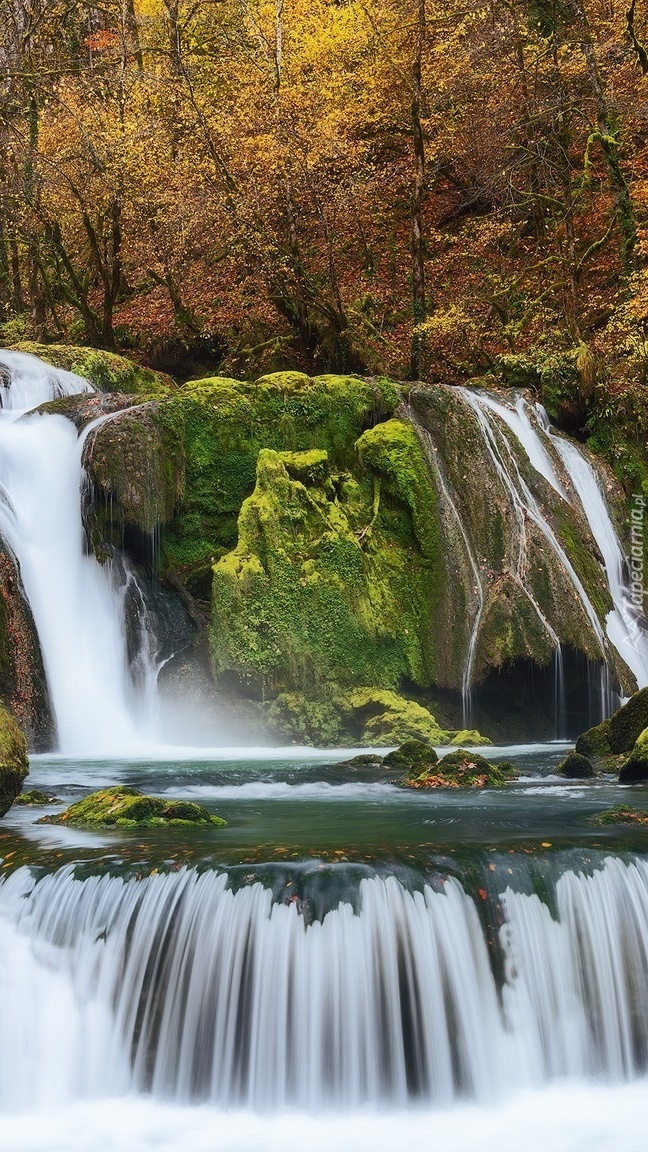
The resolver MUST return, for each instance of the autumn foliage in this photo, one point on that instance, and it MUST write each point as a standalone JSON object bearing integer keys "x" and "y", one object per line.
{"x": 397, "y": 186}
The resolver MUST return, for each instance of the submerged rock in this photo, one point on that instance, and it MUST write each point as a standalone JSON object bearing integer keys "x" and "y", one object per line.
{"x": 13, "y": 760}
{"x": 462, "y": 769}
{"x": 575, "y": 766}
{"x": 127, "y": 808}
{"x": 622, "y": 814}
{"x": 635, "y": 768}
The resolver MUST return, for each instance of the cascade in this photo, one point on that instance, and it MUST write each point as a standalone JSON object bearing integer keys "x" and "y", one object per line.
{"x": 624, "y": 623}
{"x": 178, "y": 986}
{"x": 77, "y": 604}
{"x": 531, "y": 427}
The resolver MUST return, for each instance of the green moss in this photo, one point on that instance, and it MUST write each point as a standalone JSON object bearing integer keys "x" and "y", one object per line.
{"x": 621, "y": 814}
{"x": 225, "y": 424}
{"x": 308, "y": 599}
{"x": 635, "y": 768}
{"x": 596, "y": 741}
{"x": 629, "y": 722}
{"x": 106, "y": 370}
{"x": 293, "y": 717}
{"x": 412, "y": 755}
{"x": 461, "y": 769}
{"x": 575, "y": 766}
{"x": 35, "y": 798}
{"x": 127, "y": 808}
{"x": 382, "y": 718}
{"x": 13, "y": 760}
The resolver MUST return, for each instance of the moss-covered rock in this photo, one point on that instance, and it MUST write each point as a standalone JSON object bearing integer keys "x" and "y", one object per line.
{"x": 595, "y": 742}
{"x": 629, "y": 722}
{"x": 225, "y": 423}
{"x": 635, "y": 769}
{"x": 122, "y": 807}
{"x": 35, "y": 798}
{"x": 575, "y": 766}
{"x": 292, "y": 716}
{"x": 23, "y": 684}
{"x": 106, "y": 370}
{"x": 622, "y": 814}
{"x": 318, "y": 594}
{"x": 414, "y": 755}
{"x": 383, "y": 718}
{"x": 137, "y": 466}
{"x": 13, "y": 760}
{"x": 461, "y": 769}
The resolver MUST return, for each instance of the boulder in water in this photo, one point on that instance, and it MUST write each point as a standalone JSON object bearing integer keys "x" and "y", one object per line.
{"x": 13, "y": 760}
{"x": 575, "y": 766}
{"x": 127, "y": 808}
{"x": 462, "y": 769}
{"x": 595, "y": 742}
{"x": 413, "y": 755}
{"x": 35, "y": 798}
{"x": 622, "y": 814}
{"x": 627, "y": 725}
{"x": 635, "y": 768}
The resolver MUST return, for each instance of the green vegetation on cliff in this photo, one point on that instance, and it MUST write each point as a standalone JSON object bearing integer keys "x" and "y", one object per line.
{"x": 106, "y": 370}
{"x": 330, "y": 584}
{"x": 13, "y": 760}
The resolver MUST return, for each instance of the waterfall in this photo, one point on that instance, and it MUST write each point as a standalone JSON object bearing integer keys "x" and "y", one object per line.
{"x": 178, "y": 986}
{"x": 77, "y": 604}
{"x": 624, "y": 624}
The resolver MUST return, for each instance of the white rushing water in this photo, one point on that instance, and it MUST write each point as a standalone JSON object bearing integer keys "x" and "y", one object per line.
{"x": 624, "y": 625}
{"x": 176, "y": 986}
{"x": 529, "y": 423}
{"x": 77, "y": 604}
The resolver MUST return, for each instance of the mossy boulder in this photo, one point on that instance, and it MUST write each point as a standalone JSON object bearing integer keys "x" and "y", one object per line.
{"x": 629, "y": 722}
{"x": 13, "y": 760}
{"x": 35, "y": 798}
{"x": 635, "y": 768}
{"x": 105, "y": 370}
{"x": 575, "y": 766}
{"x": 622, "y": 814}
{"x": 127, "y": 808}
{"x": 383, "y": 718}
{"x": 414, "y": 755}
{"x": 461, "y": 769}
{"x": 595, "y": 742}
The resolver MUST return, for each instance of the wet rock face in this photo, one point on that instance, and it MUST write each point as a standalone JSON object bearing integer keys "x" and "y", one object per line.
{"x": 23, "y": 683}
{"x": 635, "y": 768}
{"x": 629, "y": 722}
{"x": 13, "y": 760}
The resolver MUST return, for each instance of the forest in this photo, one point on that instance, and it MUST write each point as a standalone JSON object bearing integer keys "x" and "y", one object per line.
{"x": 420, "y": 189}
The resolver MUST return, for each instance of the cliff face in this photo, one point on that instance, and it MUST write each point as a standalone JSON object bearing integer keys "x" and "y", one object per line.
{"x": 335, "y": 534}
{"x": 13, "y": 760}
